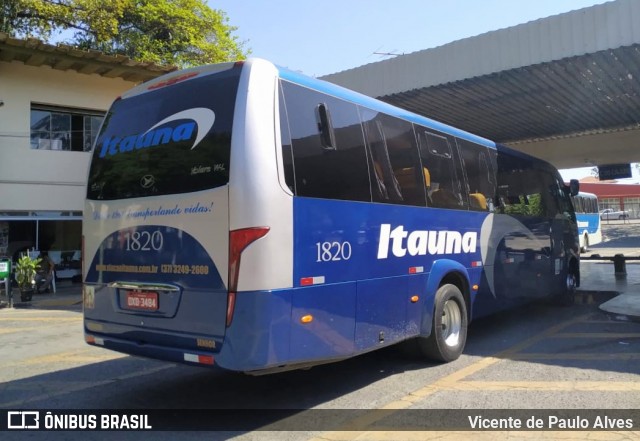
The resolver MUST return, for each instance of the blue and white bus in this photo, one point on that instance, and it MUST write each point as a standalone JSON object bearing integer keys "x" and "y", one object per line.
{"x": 588, "y": 217}
{"x": 250, "y": 217}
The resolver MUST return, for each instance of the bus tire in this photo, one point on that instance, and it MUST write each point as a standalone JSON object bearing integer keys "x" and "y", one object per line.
{"x": 448, "y": 326}
{"x": 585, "y": 241}
{"x": 567, "y": 296}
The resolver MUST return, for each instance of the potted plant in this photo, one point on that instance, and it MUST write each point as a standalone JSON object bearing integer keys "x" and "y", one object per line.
{"x": 26, "y": 270}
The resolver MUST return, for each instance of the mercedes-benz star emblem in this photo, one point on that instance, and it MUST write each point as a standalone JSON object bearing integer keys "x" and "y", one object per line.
{"x": 147, "y": 181}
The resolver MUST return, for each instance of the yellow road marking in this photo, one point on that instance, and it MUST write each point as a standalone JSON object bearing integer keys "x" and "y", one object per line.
{"x": 84, "y": 386}
{"x": 8, "y": 311}
{"x": 536, "y": 386}
{"x": 596, "y": 335}
{"x": 40, "y": 319}
{"x": 609, "y": 322}
{"x": 72, "y": 357}
{"x": 540, "y": 356}
{"x": 14, "y": 330}
{"x": 357, "y": 426}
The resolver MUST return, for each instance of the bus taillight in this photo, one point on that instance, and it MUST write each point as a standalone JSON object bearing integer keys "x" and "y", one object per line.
{"x": 239, "y": 240}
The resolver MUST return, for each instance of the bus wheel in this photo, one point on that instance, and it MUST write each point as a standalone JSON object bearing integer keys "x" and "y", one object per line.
{"x": 585, "y": 241}
{"x": 567, "y": 296}
{"x": 449, "y": 326}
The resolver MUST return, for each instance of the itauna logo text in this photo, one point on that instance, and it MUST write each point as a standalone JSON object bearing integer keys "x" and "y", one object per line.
{"x": 421, "y": 242}
{"x": 200, "y": 121}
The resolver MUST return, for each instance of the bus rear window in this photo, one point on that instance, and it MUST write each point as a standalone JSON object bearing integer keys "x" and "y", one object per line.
{"x": 176, "y": 139}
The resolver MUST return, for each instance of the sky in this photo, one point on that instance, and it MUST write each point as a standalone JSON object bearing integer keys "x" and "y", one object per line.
{"x": 328, "y": 36}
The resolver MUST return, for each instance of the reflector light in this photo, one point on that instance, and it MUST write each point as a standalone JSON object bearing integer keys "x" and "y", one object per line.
{"x": 306, "y": 281}
{"x": 416, "y": 269}
{"x": 202, "y": 359}
{"x": 205, "y": 359}
{"x": 239, "y": 240}
{"x": 476, "y": 264}
{"x": 306, "y": 318}
{"x": 94, "y": 340}
{"x": 475, "y": 287}
{"x": 414, "y": 299}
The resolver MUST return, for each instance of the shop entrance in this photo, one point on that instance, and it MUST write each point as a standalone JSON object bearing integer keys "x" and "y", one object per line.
{"x": 59, "y": 233}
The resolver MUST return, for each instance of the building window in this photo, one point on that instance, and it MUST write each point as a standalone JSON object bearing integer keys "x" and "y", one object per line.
{"x": 56, "y": 128}
{"x": 613, "y": 203}
{"x": 632, "y": 205}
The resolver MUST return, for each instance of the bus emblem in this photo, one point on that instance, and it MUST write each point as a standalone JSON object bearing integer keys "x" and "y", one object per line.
{"x": 147, "y": 181}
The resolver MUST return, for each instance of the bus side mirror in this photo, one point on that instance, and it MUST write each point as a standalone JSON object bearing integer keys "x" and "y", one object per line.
{"x": 574, "y": 187}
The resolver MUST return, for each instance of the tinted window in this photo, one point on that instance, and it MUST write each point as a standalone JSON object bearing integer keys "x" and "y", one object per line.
{"x": 322, "y": 171}
{"x": 481, "y": 181}
{"x": 155, "y": 143}
{"x": 287, "y": 151}
{"x": 439, "y": 161}
{"x": 396, "y": 170}
{"x": 528, "y": 188}
{"x": 560, "y": 194}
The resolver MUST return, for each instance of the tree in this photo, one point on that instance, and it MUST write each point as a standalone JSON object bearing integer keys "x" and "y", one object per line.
{"x": 176, "y": 32}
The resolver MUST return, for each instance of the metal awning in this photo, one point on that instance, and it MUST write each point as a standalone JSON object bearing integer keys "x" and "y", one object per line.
{"x": 591, "y": 93}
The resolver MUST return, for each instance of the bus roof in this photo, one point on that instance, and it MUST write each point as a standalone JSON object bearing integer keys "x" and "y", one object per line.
{"x": 375, "y": 104}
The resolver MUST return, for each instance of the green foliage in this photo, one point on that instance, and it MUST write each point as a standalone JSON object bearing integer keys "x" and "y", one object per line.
{"x": 26, "y": 269}
{"x": 529, "y": 206}
{"x": 176, "y": 32}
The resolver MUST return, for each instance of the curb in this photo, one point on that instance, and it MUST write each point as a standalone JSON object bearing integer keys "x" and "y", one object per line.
{"x": 45, "y": 303}
{"x": 623, "y": 307}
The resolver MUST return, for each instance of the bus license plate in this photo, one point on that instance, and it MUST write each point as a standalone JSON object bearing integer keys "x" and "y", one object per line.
{"x": 143, "y": 300}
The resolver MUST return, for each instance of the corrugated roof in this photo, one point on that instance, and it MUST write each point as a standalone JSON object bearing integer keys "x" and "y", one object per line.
{"x": 34, "y": 52}
{"x": 593, "y": 92}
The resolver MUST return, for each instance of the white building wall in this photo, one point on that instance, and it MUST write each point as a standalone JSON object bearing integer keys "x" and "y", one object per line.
{"x": 35, "y": 180}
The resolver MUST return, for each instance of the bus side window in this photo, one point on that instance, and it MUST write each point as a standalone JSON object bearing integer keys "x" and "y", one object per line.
{"x": 396, "y": 176}
{"x": 388, "y": 186}
{"x": 327, "y": 144}
{"x": 480, "y": 177}
{"x": 444, "y": 190}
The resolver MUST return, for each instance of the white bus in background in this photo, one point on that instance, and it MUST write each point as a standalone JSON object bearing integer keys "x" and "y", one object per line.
{"x": 587, "y": 215}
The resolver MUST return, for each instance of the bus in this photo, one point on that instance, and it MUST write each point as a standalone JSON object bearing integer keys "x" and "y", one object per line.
{"x": 588, "y": 217}
{"x": 246, "y": 216}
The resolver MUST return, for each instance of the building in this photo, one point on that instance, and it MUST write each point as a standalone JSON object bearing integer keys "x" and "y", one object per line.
{"x": 52, "y": 101}
{"x": 614, "y": 195}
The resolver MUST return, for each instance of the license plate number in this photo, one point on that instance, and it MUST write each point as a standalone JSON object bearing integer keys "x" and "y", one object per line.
{"x": 143, "y": 300}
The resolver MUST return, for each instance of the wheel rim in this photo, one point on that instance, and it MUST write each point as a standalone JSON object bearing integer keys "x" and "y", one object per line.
{"x": 451, "y": 323}
{"x": 571, "y": 282}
